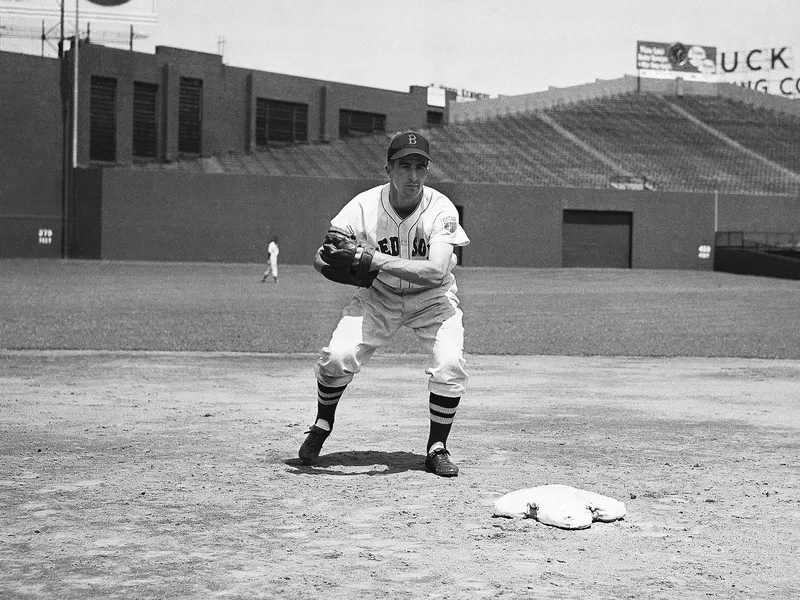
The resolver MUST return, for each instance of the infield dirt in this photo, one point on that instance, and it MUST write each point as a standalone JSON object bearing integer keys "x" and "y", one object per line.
{"x": 173, "y": 475}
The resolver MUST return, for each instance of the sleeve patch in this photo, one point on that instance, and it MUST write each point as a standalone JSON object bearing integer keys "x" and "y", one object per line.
{"x": 450, "y": 224}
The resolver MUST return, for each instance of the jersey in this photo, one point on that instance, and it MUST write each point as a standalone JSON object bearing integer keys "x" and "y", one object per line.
{"x": 273, "y": 250}
{"x": 373, "y": 221}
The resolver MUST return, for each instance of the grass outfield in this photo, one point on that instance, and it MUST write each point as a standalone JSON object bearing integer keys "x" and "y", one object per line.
{"x": 101, "y": 305}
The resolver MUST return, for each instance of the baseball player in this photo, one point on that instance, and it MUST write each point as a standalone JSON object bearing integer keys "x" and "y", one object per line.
{"x": 395, "y": 243}
{"x": 272, "y": 251}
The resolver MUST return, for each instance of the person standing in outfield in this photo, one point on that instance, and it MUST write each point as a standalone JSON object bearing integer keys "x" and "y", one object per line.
{"x": 272, "y": 251}
{"x": 395, "y": 242}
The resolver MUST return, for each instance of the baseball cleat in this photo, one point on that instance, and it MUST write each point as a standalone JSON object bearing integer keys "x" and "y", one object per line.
{"x": 439, "y": 462}
{"x": 309, "y": 451}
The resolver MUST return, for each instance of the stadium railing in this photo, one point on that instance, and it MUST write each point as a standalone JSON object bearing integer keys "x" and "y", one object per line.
{"x": 766, "y": 241}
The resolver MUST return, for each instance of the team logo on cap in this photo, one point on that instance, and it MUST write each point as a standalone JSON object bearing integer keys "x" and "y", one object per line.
{"x": 406, "y": 143}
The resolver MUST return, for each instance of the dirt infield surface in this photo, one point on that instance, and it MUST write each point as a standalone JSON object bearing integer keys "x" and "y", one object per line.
{"x": 172, "y": 475}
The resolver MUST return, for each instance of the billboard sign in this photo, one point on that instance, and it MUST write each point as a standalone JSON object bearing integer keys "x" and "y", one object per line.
{"x": 124, "y": 11}
{"x": 671, "y": 60}
{"x": 769, "y": 70}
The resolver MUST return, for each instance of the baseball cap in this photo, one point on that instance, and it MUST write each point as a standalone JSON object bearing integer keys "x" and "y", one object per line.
{"x": 408, "y": 142}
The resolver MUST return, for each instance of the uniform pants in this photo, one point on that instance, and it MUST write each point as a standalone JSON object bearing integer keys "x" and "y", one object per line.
{"x": 376, "y": 313}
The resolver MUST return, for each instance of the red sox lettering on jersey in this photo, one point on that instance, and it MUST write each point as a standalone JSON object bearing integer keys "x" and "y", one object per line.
{"x": 377, "y": 224}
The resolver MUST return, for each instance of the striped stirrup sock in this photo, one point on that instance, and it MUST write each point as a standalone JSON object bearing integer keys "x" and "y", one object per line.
{"x": 327, "y": 400}
{"x": 443, "y": 412}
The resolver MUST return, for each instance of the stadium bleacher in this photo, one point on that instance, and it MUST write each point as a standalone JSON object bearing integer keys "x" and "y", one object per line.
{"x": 770, "y": 133}
{"x": 686, "y": 143}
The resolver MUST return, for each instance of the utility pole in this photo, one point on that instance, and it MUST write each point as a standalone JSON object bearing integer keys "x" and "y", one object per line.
{"x": 66, "y": 170}
{"x": 61, "y": 35}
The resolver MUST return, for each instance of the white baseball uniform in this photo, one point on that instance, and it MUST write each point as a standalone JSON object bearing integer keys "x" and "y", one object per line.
{"x": 376, "y": 313}
{"x": 273, "y": 251}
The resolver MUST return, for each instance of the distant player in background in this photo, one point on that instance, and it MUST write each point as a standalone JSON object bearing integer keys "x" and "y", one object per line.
{"x": 273, "y": 251}
{"x": 395, "y": 242}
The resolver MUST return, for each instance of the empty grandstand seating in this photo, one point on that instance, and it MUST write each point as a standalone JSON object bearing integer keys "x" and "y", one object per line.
{"x": 720, "y": 145}
{"x": 645, "y": 135}
{"x": 770, "y": 133}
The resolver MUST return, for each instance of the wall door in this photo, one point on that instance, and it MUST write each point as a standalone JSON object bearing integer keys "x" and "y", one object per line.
{"x": 593, "y": 238}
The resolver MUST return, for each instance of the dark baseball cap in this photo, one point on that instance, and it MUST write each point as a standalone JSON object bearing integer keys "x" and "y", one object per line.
{"x": 408, "y": 142}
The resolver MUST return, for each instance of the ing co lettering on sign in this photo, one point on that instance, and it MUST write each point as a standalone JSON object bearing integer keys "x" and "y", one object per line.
{"x": 769, "y": 70}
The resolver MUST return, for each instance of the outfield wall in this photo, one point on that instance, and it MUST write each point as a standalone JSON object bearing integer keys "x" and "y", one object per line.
{"x": 780, "y": 214}
{"x": 30, "y": 149}
{"x": 161, "y": 216}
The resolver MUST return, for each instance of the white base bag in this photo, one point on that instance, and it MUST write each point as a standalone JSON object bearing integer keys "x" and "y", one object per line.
{"x": 560, "y": 506}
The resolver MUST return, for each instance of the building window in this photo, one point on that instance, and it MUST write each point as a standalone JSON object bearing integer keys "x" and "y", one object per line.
{"x": 435, "y": 118}
{"x": 190, "y": 116}
{"x": 353, "y": 122}
{"x": 103, "y": 119}
{"x": 280, "y": 122}
{"x": 261, "y": 122}
{"x": 145, "y": 119}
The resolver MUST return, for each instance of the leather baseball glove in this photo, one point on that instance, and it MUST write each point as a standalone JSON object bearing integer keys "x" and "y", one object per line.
{"x": 346, "y": 261}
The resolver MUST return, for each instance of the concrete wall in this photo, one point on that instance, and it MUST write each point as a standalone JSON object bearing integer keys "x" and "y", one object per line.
{"x": 508, "y": 225}
{"x": 668, "y": 228}
{"x": 230, "y": 218}
{"x": 750, "y": 262}
{"x": 30, "y": 155}
{"x": 763, "y": 213}
{"x": 87, "y": 211}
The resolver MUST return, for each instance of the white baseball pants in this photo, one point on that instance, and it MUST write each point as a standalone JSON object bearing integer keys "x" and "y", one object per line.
{"x": 375, "y": 314}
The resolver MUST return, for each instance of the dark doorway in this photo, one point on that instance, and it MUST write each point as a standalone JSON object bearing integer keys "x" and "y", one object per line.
{"x": 592, "y": 238}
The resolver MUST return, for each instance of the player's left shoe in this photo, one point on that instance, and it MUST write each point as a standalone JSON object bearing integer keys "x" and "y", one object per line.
{"x": 439, "y": 462}
{"x": 309, "y": 451}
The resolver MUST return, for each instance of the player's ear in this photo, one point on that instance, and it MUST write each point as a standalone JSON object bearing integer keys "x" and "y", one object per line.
{"x": 387, "y": 168}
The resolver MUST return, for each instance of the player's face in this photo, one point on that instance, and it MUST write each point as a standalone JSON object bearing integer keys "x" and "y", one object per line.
{"x": 407, "y": 175}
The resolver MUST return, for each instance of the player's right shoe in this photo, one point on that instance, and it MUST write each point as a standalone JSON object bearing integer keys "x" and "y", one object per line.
{"x": 439, "y": 462}
{"x": 309, "y": 451}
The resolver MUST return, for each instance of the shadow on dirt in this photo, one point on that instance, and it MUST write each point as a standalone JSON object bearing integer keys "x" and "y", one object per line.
{"x": 366, "y": 462}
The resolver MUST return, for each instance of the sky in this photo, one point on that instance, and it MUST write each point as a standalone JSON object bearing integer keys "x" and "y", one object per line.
{"x": 493, "y": 47}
